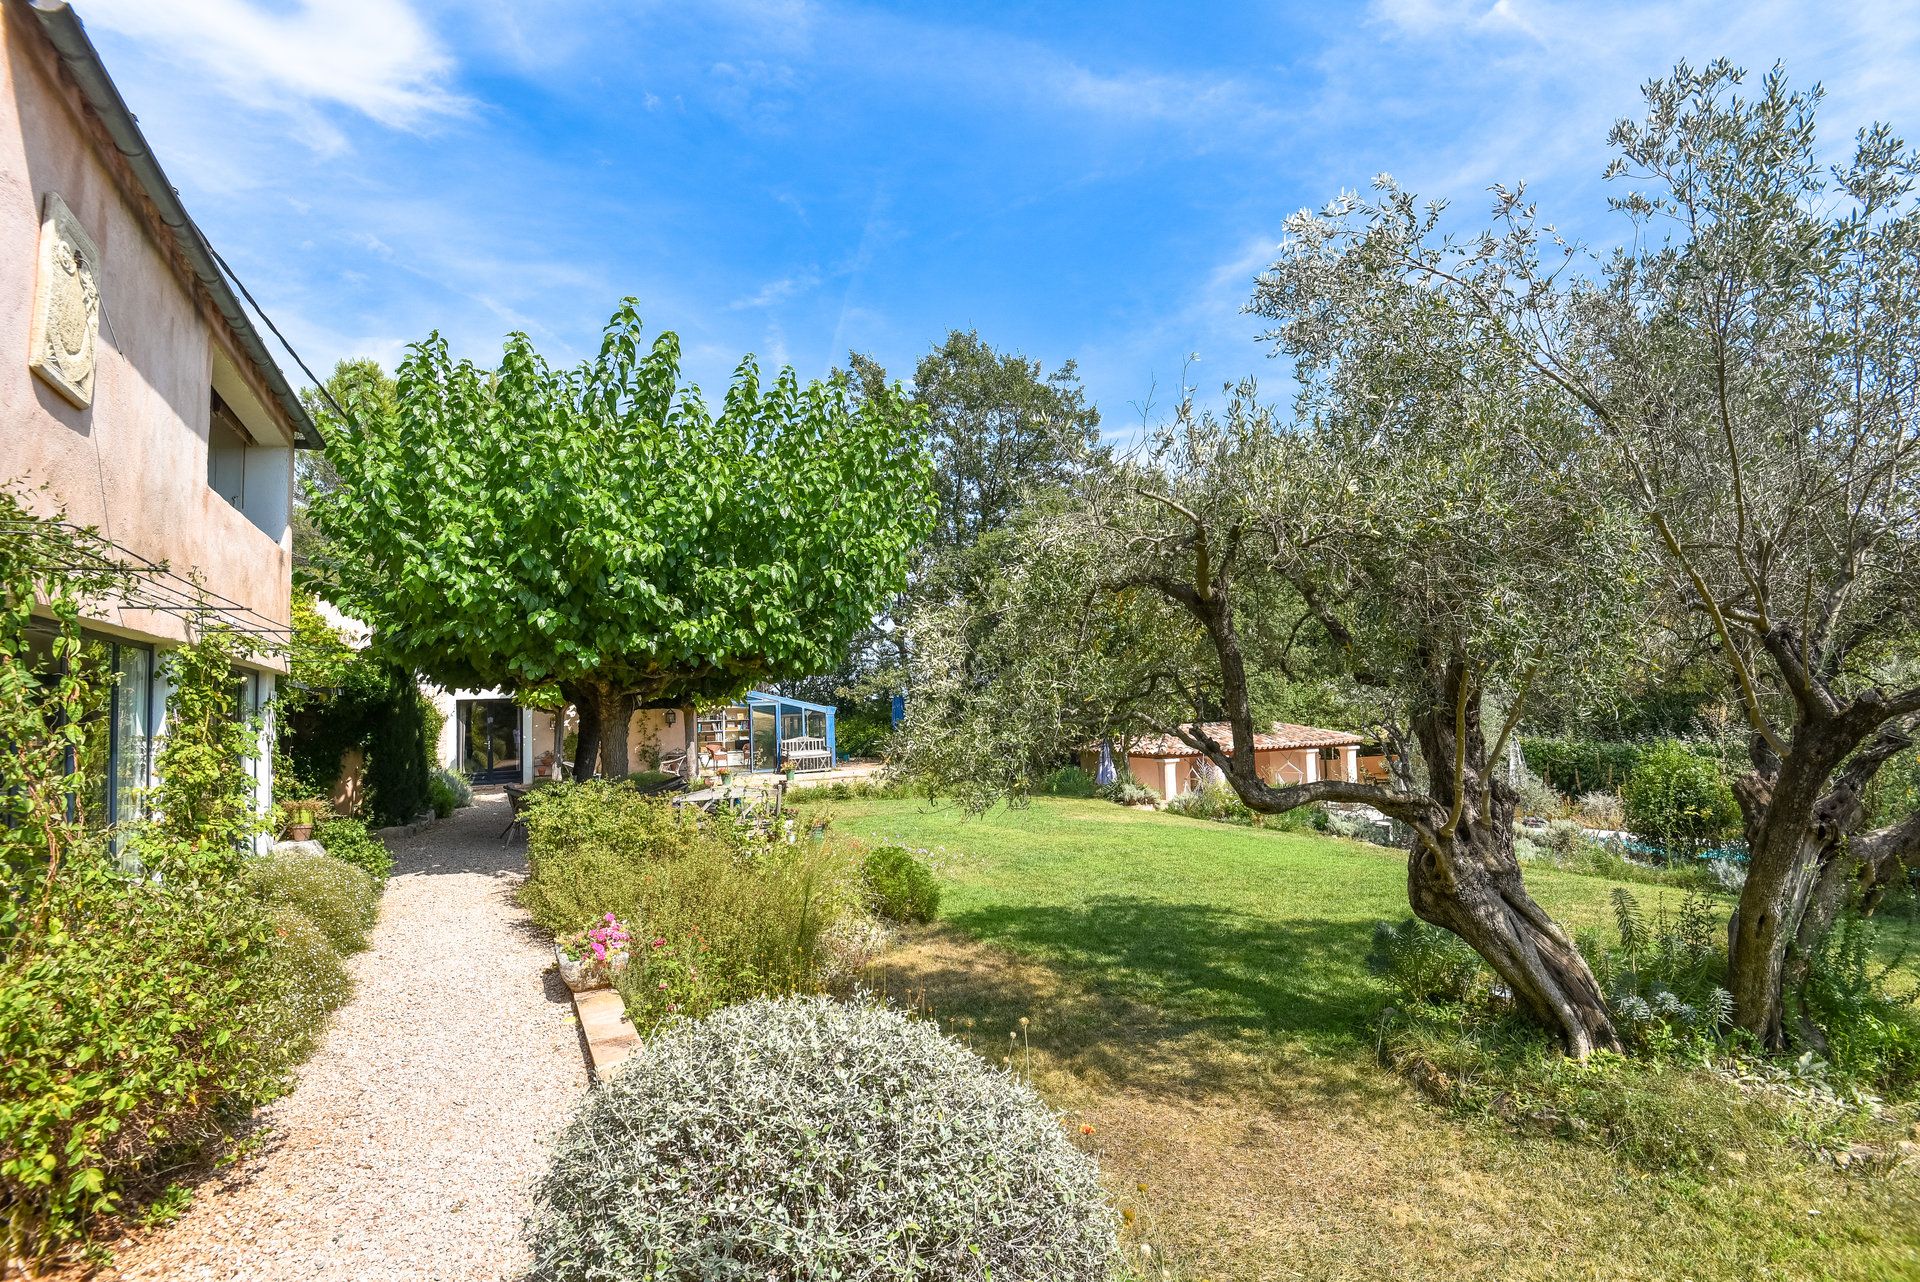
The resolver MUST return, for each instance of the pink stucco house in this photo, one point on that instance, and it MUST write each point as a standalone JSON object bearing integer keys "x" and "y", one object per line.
{"x": 134, "y": 387}
{"x": 1283, "y": 753}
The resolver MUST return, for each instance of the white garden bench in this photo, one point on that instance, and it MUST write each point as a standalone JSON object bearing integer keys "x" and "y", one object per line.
{"x": 806, "y": 754}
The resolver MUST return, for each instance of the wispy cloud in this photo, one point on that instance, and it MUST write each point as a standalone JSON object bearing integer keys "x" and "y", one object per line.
{"x": 374, "y": 57}
{"x": 778, "y": 291}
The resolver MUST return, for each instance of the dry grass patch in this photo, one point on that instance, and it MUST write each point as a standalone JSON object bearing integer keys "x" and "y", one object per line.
{"x": 1265, "y": 1161}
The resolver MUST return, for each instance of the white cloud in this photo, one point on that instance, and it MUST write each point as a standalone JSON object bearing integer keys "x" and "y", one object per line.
{"x": 374, "y": 57}
{"x": 778, "y": 291}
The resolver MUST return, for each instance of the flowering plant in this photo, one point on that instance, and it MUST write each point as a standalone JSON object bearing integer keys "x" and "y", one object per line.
{"x": 601, "y": 942}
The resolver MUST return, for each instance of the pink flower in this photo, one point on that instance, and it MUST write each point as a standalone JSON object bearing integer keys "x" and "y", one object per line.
{"x": 663, "y": 985}
{"x": 659, "y": 943}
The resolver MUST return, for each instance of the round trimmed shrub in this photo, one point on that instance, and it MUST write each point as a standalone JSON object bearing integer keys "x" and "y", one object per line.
{"x": 799, "y": 1138}
{"x": 301, "y": 981}
{"x": 331, "y": 893}
{"x": 349, "y": 839}
{"x": 900, "y": 886}
{"x": 1679, "y": 801}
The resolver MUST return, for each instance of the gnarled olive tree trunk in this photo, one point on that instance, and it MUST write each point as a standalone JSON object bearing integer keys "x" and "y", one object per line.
{"x": 1462, "y": 874}
{"x": 1807, "y": 860}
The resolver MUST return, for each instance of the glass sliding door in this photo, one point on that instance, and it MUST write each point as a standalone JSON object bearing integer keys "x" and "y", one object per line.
{"x": 489, "y": 731}
{"x": 766, "y": 745}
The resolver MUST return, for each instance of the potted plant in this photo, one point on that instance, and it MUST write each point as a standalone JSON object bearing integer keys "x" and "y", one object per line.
{"x": 818, "y": 823}
{"x": 594, "y": 957}
{"x": 300, "y": 816}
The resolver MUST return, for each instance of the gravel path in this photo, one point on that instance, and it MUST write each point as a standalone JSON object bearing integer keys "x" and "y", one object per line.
{"x": 409, "y": 1147}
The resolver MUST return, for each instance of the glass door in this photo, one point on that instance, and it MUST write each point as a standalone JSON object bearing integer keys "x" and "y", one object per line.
{"x": 489, "y": 731}
{"x": 766, "y": 746}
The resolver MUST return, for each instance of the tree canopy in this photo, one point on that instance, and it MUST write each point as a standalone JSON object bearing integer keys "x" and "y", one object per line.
{"x": 597, "y": 529}
{"x": 1748, "y": 360}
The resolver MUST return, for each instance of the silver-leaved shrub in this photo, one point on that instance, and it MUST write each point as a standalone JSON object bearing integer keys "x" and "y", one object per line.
{"x": 797, "y": 1137}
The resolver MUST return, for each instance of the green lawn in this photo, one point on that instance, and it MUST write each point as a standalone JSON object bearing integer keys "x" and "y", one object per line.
{"x": 1253, "y": 931}
{"x": 1198, "y": 994}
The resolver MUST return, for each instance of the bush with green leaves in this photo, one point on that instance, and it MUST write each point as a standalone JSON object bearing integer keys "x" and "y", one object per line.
{"x": 1680, "y": 801}
{"x": 592, "y": 847}
{"x": 1870, "y": 1019}
{"x": 338, "y": 898}
{"x": 1663, "y": 976}
{"x": 1573, "y": 766}
{"x": 349, "y": 840}
{"x": 1123, "y": 791}
{"x": 458, "y": 784}
{"x": 717, "y": 915}
{"x": 1067, "y": 781}
{"x": 308, "y": 979}
{"x": 900, "y": 885}
{"x": 872, "y": 788}
{"x": 1423, "y": 962}
{"x": 140, "y": 1014}
{"x": 133, "y": 1034}
{"x": 1213, "y": 800}
{"x": 801, "y": 1138}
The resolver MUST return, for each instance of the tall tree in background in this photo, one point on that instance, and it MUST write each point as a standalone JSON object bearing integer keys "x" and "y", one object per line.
{"x": 1751, "y": 360}
{"x": 360, "y": 382}
{"x": 598, "y": 530}
{"x": 999, "y": 427}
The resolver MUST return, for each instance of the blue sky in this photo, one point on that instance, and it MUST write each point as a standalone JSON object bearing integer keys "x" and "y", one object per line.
{"x": 1097, "y": 182}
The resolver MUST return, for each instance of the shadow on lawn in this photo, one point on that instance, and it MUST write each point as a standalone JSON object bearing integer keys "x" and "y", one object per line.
{"x": 1140, "y": 992}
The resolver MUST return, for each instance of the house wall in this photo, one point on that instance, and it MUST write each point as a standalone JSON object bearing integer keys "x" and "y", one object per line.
{"x": 1171, "y": 776}
{"x": 134, "y": 462}
{"x": 649, "y": 737}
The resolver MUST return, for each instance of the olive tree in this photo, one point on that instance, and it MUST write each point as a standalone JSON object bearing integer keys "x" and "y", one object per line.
{"x": 1432, "y": 543}
{"x": 598, "y": 530}
{"x": 1750, "y": 358}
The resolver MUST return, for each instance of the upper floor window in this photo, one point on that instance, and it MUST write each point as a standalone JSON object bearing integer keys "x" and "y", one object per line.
{"x": 227, "y": 444}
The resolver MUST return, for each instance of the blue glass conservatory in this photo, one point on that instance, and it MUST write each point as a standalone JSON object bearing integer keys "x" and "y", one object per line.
{"x": 770, "y": 732}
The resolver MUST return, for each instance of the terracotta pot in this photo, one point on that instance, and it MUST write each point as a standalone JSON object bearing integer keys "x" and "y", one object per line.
{"x": 299, "y": 832}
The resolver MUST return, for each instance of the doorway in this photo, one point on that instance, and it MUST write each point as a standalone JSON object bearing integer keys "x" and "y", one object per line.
{"x": 489, "y": 731}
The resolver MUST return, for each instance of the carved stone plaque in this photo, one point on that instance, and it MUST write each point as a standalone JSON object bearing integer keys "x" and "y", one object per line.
{"x": 66, "y": 305}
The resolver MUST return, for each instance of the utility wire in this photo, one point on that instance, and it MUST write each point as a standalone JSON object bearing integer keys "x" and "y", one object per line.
{"x": 268, "y": 320}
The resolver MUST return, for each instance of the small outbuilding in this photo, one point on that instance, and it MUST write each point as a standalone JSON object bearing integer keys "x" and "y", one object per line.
{"x": 1283, "y": 754}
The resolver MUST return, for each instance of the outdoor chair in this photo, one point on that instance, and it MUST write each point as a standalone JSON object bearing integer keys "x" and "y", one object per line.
{"x": 519, "y": 796}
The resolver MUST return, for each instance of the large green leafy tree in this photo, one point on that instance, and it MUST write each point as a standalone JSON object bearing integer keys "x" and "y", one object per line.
{"x": 1001, "y": 427}
{"x": 1751, "y": 361}
{"x": 599, "y": 530}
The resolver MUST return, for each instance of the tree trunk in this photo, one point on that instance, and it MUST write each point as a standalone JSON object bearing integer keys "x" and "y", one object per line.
{"x": 614, "y": 707}
{"x": 1799, "y": 877}
{"x": 1463, "y": 876}
{"x": 1474, "y": 889}
{"x": 605, "y": 711}
{"x": 586, "y": 741}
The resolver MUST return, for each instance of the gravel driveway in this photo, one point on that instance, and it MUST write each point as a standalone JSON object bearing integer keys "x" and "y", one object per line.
{"x": 409, "y": 1147}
